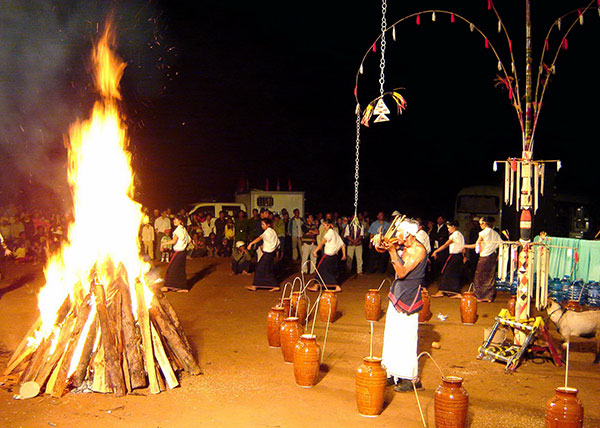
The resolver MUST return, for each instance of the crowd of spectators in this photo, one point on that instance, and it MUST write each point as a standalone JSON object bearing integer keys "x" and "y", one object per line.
{"x": 32, "y": 235}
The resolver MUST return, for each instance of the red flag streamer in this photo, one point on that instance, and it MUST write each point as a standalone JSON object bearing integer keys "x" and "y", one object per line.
{"x": 418, "y": 19}
{"x": 513, "y": 165}
{"x": 565, "y": 44}
{"x": 374, "y": 47}
{"x": 489, "y": 4}
{"x": 487, "y": 44}
{"x": 510, "y": 96}
{"x": 452, "y": 15}
{"x": 546, "y": 44}
{"x": 576, "y": 257}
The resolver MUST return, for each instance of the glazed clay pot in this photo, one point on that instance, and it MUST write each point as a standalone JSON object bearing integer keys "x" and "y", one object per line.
{"x": 372, "y": 305}
{"x": 307, "y": 360}
{"x": 512, "y": 302}
{"x": 371, "y": 380}
{"x": 290, "y": 331}
{"x": 451, "y": 403}
{"x": 300, "y": 302}
{"x": 328, "y": 300}
{"x": 425, "y": 312}
{"x": 468, "y": 308}
{"x": 564, "y": 410}
{"x": 274, "y": 320}
{"x": 287, "y": 306}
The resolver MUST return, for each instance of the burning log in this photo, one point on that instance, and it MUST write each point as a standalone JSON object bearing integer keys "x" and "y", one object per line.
{"x": 132, "y": 341}
{"x": 81, "y": 371}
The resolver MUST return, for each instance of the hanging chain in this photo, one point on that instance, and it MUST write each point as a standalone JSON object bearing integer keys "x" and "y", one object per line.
{"x": 356, "y": 163}
{"x": 383, "y": 43}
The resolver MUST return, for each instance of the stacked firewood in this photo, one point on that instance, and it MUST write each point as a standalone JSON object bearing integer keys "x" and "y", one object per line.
{"x": 119, "y": 354}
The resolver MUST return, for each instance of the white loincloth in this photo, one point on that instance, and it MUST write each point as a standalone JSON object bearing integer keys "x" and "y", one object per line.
{"x": 400, "y": 344}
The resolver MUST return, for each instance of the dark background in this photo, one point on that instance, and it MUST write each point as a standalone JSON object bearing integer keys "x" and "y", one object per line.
{"x": 221, "y": 92}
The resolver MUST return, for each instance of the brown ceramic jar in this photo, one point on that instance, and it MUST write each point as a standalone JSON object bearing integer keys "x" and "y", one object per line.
{"x": 372, "y": 305}
{"x": 307, "y": 360}
{"x": 573, "y": 305}
{"x": 274, "y": 320}
{"x": 468, "y": 308}
{"x": 371, "y": 380}
{"x": 451, "y": 403}
{"x": 299, "y": 306}
{"x": 328, "y": 301}
{"x": 564, "y": 410}
{"x": 290, "y": 332}
{"x": 425, "y": 312}
{"x": 512, "y": 302}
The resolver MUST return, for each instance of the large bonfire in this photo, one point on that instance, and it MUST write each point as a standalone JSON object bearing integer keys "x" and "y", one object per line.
{"x": 101, "y": 327}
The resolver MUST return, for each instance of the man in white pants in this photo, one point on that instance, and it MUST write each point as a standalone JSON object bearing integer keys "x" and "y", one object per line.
{"x": 354, "y": 234}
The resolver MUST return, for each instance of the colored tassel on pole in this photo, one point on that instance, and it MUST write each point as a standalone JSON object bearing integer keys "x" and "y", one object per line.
{"x": 510, "y": 45}
{"x": 558, "y": 24}
{"x": 452, "y": 16}
{"x": 487, "y": 44}
{"x": 355, "y": 90}
{"x": 499, "y": 25}
{"x": 565, "y": 44}
{"x": 499, "y": 66}
{"x": 546, "y": 45}
{"x": 471, "y": 27}
{"x": 580, "y": 17}
{"x": 433, "y": 16}
{"x": 374, "y": 47}
{"x": 418, "y": 19}
{"x": 394, "y": 33}
{"x": 489, "y": 4}
{"x": 360, "y": 70}
{"x": 495, "y": 168}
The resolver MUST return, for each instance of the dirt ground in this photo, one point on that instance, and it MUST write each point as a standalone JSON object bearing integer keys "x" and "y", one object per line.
{"x": 247, "y": 384}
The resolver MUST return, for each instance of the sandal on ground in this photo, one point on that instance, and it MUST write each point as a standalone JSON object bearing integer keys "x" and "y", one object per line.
{"x": 406, "y": 385}
{"x": 274, "y": 289}
{"x": 455, "y": 296}
{"x": 250, "y": 287}
{"x": 438, "y": 294}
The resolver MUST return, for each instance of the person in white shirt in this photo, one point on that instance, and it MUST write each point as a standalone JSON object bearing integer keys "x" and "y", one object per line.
{"x": 161, "y": 224}
{"x": 328, "y": 267}
{"x": 450, "y": 283}
{"x": 7, "y": 251}
{"x": 264, "y": 277}
{"x": 176, "y": 278}
{"x": 208, "y": 226}
{"x": 354, "y": 234}
{"x": 485, "y": 275}
{"x": 148, "y": 240}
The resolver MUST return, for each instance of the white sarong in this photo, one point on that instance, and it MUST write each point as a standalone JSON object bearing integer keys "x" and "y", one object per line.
{"x": 400, "y": 344}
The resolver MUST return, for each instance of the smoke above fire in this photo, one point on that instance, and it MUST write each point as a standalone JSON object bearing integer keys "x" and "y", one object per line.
{"x": 45, "y": 83}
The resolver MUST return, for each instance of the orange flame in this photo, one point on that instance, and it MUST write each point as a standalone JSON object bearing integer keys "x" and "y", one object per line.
{"x": 104, "y": 233}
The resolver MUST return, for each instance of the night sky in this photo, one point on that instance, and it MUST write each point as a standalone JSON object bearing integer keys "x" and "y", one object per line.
{"x": 218, "y": 92}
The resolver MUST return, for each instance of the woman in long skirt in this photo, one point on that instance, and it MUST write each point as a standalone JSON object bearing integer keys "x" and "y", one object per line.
{"x": 264, "y": 277}
{"x": 485, "y": 275}
{"x": 450, "y": 283}
{"x": 328, "y": 267}
{"x": 176, "y": 278}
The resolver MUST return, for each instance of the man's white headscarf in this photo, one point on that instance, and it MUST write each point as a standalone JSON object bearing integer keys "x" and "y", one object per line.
{"x": 408, "y": 227}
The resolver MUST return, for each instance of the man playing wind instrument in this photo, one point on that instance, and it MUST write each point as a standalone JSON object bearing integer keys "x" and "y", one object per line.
{"x": 409, "y": 259}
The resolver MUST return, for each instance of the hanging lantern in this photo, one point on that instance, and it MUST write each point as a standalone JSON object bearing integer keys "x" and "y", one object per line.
{"x": 452, "y": 17}
{"x": 433, "y": 16}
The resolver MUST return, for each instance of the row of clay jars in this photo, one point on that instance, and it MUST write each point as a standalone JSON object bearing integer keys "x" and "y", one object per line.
{"x": 275, "y": 318}
{"x": 468, "y": 308}
{"x": 327, "y": 306}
